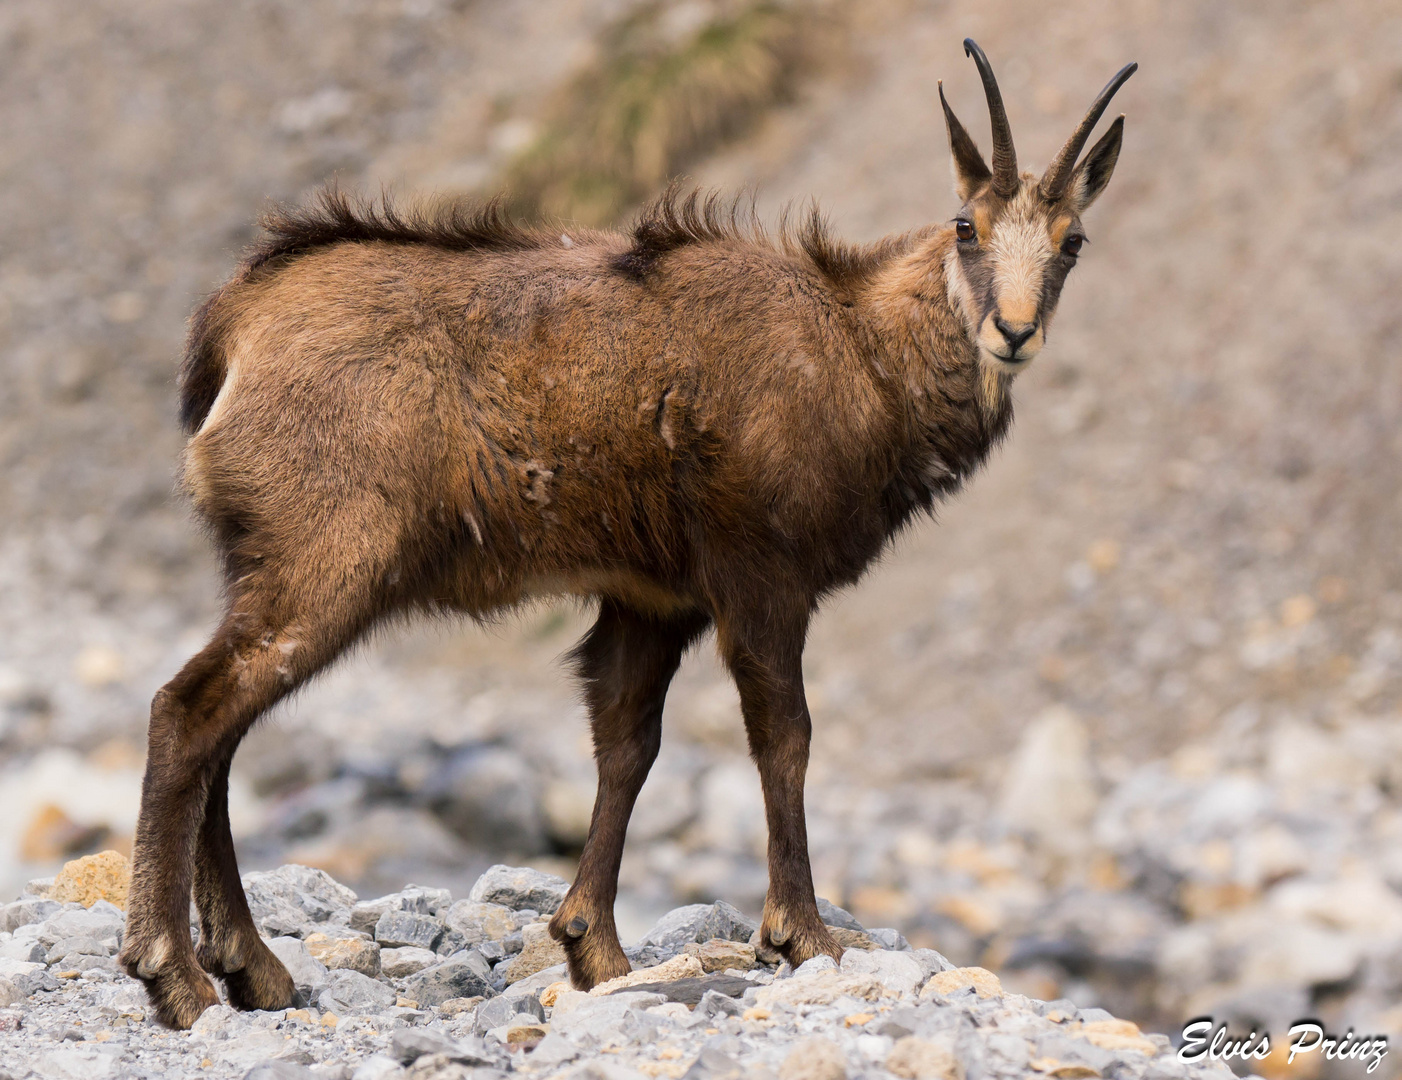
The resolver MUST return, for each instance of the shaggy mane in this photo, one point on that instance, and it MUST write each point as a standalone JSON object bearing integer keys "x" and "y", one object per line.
{"x": 676, "y": 220}
{"x": 334, "y": 216}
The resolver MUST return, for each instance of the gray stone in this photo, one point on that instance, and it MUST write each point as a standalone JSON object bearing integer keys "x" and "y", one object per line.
{"x": 898, "y": 972}
{"x": 464, "y": 975}
{"x": 29, "y": 950}
{"x": 520, "y": 887}
{"x": 401, "y": 963}
{"x": 308, "y": 973}
{"x": 279, "y": 1070}
{"x": 890, "y": 939}
{"x": 492, "y": 951}
{"x": 26, "y": 911}
{"x": 930, "y": 961}
{"x": 414, "y": 899}
{"x": 727, "y": 923}
{"x": 293, "y": 901}
{"x": 103, "y": 921}
{"x": 1167, "y": 1067}
{"x": 1011, "y": 1049}
{"x": 89, "y": 962}
{"x": 407, "y": 1045}
{"x": 718, "y": 1001}
{"x": 476, "y": 921}
{"x": 1074, "y": 1052}
{"x": 553, "y": 1050}
{"x": 27, "y": 977}
{"x": 422, "y": 900}
{"x": 679, "y": 927}
{"x": 502, "y": 1010}
{"x": 38, "y": 887}
{"x": 832, "y": 915}
{"x": 451, "y": 941}
{"x": 77, "y": 946}
{"x": 717, "y": 1061}
{"x": 365, "y": 914}
{"x": 596, "y": 1018}
{"x": 217, "y": 1022}
{"x": 347, "y": 991}
{"x": 10, "y": 994}
{"x": 817, "y": 964}
{"x": 377, "y": 1067}
{"x": 690, "y": 991}
{"x": 534, "y": 984}
{"x": 398, "y": 929}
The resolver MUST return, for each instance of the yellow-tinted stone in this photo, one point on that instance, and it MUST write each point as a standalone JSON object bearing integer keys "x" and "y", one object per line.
{"x": 720, "y": 955}
{"x": 104, "y": 876}
{"x": 1117, "y": 1035}
{"x": 923, "y": 1059}
{"x": 355, "y": 954}
{"x": 984, "y": 982}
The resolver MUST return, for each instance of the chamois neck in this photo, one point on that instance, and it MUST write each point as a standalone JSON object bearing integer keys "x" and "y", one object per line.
{"x": 928, "y": 349}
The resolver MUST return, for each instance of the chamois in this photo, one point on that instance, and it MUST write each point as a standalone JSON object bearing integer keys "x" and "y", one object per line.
{"x": 698, "y": 424}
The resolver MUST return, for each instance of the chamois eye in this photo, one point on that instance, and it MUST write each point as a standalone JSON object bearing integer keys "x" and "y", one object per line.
{"x": 964, "y": 230}
{"x": 1072, "y": 245}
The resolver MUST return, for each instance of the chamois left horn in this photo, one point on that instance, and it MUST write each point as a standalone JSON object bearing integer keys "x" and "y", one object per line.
{"x": 1004, "y": 155}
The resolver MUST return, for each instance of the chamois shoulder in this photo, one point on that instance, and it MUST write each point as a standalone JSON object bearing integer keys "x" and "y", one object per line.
{"x": 677, "y": 220}
{"x": 335, "y": 217}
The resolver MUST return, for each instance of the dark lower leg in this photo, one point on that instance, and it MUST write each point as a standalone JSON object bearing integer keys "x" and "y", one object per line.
{"x": 230, "y": 946}
{"x": 627, "y": 662}
{"x": 156, "y": 947}
{"x": 791, "y": 921}
{"x": 196, "y": 722}
{"x": 768, "y": 672}
{"x": 584, "y": 923}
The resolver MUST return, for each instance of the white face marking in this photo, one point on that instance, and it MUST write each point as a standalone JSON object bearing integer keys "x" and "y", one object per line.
{"x": 959, "y": 289}
{"x": 1020, "y": 248}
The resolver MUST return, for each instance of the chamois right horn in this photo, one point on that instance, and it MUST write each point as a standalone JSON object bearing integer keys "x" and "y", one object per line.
{"x": 1058, "y": 173}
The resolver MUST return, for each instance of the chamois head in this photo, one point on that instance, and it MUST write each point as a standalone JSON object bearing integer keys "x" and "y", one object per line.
{"x": 1017, "y": 236}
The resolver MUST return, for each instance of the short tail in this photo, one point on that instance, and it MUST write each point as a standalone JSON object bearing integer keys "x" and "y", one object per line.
{"x": 203, "y": 369}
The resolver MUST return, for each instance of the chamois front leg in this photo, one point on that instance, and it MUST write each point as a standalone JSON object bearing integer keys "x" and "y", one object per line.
{"x": 765, "y": 657}
{"x": 627, "y": 661}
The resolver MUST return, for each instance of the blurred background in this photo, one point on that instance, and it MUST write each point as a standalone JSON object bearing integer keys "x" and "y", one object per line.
{"x": 1122, "y": 727}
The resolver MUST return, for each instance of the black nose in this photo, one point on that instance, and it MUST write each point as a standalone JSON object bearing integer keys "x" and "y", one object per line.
{"x": 1014, "y": 335}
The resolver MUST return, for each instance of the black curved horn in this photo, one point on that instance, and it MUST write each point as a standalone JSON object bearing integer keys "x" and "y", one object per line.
{"x": 1004, "y": 155}
{"x": 1058, "y": 173}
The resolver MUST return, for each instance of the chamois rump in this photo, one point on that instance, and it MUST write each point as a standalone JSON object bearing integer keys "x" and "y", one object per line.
{"x": 698, "y": 424}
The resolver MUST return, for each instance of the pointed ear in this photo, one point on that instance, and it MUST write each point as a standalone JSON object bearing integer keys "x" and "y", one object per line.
{"x": 970, "y": 172}
{"x": 1092, "y": 174}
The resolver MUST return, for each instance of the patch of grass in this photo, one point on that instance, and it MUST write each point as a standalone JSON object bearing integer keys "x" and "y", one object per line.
{"x": 658, "y": 97}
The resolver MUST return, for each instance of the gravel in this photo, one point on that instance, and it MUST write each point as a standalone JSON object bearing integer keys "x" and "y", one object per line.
{"x": 880, "y": 1013}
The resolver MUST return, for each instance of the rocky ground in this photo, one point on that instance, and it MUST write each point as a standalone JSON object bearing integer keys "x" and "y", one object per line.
{"x": 1121, "y": 729}
{"x": 417, "y": 985}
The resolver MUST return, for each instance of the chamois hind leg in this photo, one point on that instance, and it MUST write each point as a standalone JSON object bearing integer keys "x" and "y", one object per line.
{"x": 764, "y": 652}
{"x": 261, "y": 653}
{"x": 627, "y": 661}
{"x": 230, "y": 946}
